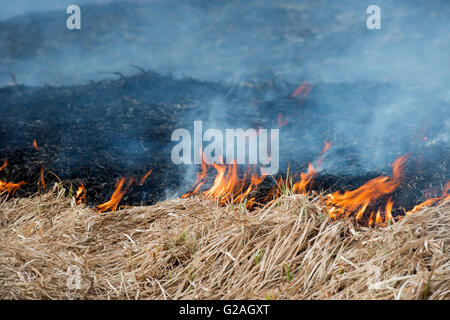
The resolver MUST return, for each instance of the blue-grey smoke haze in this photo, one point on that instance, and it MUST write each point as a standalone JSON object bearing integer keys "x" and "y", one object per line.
{"x": 233, "y": 41}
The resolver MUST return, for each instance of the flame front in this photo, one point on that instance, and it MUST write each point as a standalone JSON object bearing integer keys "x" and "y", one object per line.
{"x": 227, "y": 186}
{"x": 445, "y": 197}
{"x": 357, "y": 201}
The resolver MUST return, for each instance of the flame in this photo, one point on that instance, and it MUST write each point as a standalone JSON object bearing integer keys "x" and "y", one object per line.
{"x": 299, "y": 90}
{"x": 201, "y": 178}
{"x": 5, "y": 163}
{"x": 81, "y": 194}
{"x": 35, "y": 145}
{"x": 42, "y": 183}
{"x": 10, "y": 187}
{"x": 427, "y": 202}
{"x": 306, "y": 178}
{"x": 357, "y": 201}
{"x": 227, "y": 185}
{"x": 446, "y": 193}
{"x": 304, "y": 89}
{"x": 116, "y": 196}
{"x": 388, "y": 211}
{"x": 145, "y": 177}
{"x": 445, "y": 197}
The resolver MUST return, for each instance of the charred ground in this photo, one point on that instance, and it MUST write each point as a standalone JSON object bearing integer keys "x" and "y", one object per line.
{"x": 96, "y": 133}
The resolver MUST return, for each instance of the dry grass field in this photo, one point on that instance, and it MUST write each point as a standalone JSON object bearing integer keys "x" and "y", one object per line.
{"x": 195, "y": 249}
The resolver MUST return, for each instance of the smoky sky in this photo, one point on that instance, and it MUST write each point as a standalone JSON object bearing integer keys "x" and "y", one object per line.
{"x": 11, "y": 9}
{"x": 318, "y": 41}
{"x": 227, "y": 40}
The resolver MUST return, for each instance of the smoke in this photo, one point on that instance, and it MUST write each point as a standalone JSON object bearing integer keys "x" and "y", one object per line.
{"x": 386, "y": 83}
{"x": 11, "y": 9}
{"x": 229, "y": 40}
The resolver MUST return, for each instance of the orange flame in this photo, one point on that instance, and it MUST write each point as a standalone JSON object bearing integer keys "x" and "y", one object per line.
{"x": 303, "y": 89}
{"x": 116, "y": 196}
{"x": 201, "y": 178}
{"x": 446, "y": 193}
{"x": 445, "y": 197}
{"x": 5, "y": 163}
{"x": 306, "y": 178}
{"x": 357, "y": 201}
{"x": 299, "y": 90}
{"x": 227, "y": 185}
{"x": 145, "y": 177}
{"x": 10, "y": 187}
{"x": 42, "y": 183}
{"x": 35, "y": 146}
{"x": 388, "y": 211}
{"x": 81, "y": 194}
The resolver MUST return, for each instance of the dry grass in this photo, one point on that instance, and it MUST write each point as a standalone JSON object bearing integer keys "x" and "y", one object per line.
{"x": 193, "y": 249}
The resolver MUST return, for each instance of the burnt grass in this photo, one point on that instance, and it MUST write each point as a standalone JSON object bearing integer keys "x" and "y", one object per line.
{"x": 99, "y": 132}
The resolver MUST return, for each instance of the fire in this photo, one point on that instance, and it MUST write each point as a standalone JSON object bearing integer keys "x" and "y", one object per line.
{"x": 223, "y": 184}
{"x": 306, "y": 178}
{"x": 5, "y": 163}
{"x": 227, "y": 185}
{"x": 35, "y": 145}
{"x": 301, "y": 186}
{"x": 42, "y": 183}
{"x": 81, "y": 194}
{"x": 10, "y": 187}
{"x": 304, "y": 88}
{"x": 445, "y": 197}
{"x": 388, "y": 211}
{"x": 145, "y": 177}
{"x": 446, "y": 193}
{"x": 116, "y": 196}
{"x": 201, "y": 178}
{"x": 357, "y": 201}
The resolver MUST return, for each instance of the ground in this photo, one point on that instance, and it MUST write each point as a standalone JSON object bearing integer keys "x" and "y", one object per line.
{"x": 193, "y": 248}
